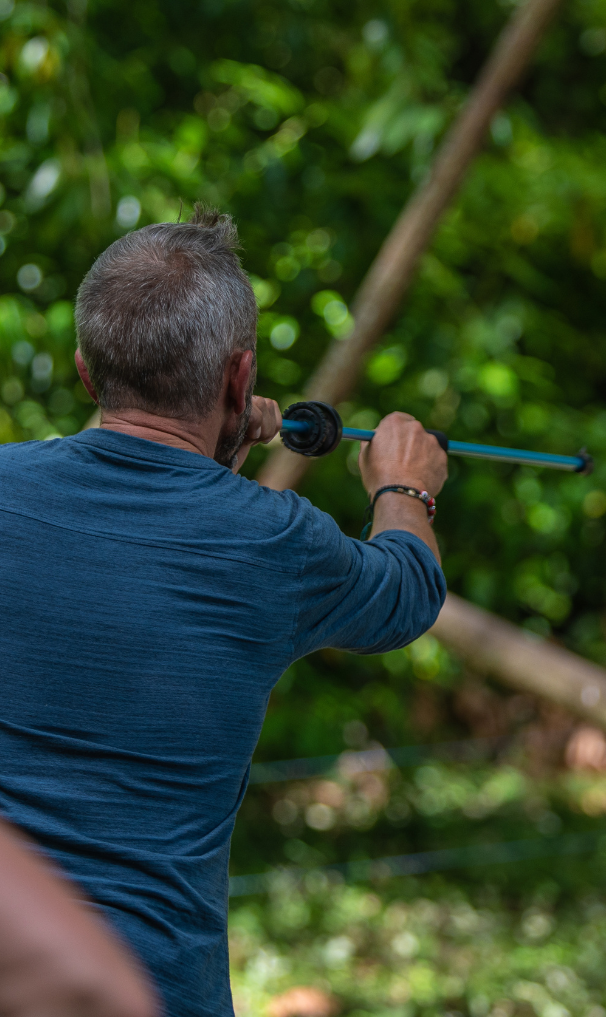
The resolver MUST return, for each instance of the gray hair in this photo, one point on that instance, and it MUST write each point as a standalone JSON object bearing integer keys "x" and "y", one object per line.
{"x": 160, "y": 312}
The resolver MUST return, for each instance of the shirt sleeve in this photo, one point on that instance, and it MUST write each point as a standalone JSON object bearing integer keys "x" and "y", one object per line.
{"x": 368, "y": 597}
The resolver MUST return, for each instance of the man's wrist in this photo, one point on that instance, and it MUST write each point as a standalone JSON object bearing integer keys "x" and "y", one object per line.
{"x": 393, "y": 504}
{"x": 401, "y": 481}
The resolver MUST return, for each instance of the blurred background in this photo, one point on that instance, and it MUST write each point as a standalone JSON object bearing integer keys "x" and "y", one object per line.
{"x": 312, "y": 121}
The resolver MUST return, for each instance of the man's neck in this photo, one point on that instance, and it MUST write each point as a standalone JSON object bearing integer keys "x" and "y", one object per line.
{"x": 193, "y": 436}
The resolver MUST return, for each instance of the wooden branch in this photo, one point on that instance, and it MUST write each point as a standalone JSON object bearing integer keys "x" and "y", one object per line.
{"x": 495, "y": 647}
{"x": 392, "y": 270}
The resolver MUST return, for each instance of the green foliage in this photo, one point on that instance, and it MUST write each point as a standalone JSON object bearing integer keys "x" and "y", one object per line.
{"x": 351, "y": 812}
{"x": 416, "y": 950}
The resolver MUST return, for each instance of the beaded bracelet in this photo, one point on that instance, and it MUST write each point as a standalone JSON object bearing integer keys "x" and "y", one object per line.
{"x": 412, "y": 492}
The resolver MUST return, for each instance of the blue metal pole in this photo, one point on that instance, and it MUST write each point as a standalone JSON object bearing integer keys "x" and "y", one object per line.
{"x": 574, "y": 464}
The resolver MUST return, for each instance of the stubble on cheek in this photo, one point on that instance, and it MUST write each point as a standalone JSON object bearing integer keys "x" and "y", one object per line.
{"x": 228, "y": 446}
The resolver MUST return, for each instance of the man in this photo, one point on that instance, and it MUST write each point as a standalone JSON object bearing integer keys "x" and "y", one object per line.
{"x": 151, "y": 597}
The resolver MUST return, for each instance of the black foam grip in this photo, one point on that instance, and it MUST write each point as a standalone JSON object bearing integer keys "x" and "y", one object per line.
{"x": 324, "y": 428}
{"x": 441, "y": 437}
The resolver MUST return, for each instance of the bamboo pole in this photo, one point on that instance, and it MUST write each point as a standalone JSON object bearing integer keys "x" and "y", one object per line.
{"x": 487, "y": 643}
{"x": 391, "y": 273}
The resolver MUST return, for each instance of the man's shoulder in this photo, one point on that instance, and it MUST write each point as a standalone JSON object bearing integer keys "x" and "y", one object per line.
{"x": 285, "y": 508}
{"x": 22, "y": 451}
{"x": 300, "y": 525}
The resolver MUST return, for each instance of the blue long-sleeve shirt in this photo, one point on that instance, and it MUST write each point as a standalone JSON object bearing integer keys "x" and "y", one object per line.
{"x": 149, "y": 601}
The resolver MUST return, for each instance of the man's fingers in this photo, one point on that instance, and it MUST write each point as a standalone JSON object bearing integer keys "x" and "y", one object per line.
{"x": 265, "y": 421}
{"x": 274, "y": 421}
{"x": 402, "y": 452}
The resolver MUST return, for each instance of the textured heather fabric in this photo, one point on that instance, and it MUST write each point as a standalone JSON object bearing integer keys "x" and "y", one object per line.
{"x": 150, "y": 600}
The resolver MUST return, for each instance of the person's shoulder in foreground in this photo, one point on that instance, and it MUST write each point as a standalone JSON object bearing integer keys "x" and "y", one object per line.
{"x": 57, "y": 956}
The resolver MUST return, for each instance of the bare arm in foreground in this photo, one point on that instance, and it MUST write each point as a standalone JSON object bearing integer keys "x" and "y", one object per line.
{"x": 57, "y": 958}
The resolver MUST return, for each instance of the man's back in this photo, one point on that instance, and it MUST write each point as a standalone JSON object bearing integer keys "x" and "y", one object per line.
{"x": 150, "y": 601}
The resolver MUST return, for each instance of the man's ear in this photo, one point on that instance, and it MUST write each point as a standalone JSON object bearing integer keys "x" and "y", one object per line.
{"x": 240, "y": 370}
{"x": 85, "y": 377}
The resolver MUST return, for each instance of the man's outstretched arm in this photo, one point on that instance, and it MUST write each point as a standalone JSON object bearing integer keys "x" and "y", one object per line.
{"x": 57, "y": 958}
{"x": 380, "y": 594}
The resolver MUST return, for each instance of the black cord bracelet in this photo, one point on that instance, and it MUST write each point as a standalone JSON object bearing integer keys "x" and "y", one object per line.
{"x": 412, "y": 492}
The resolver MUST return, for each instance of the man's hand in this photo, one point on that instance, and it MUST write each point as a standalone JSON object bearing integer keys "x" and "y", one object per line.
{"x": 265, "y": 422}
{"x": 57, "y": 957}
{"x": 402, "y": 452}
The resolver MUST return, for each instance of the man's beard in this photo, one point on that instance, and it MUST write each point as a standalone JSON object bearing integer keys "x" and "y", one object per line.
{"x": 228, "y": 446}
